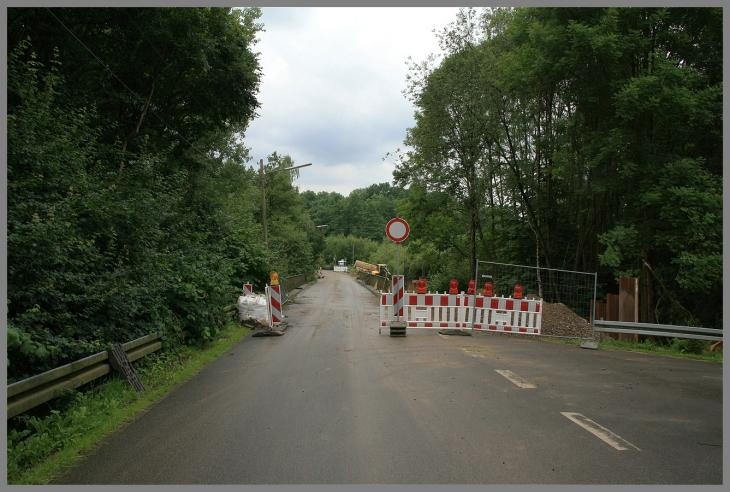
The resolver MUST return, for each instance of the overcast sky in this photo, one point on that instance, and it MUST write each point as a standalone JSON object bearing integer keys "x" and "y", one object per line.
{"x": 331, "y": 92}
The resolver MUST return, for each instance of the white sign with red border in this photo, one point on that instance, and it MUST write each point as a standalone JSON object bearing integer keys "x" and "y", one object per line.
{"x": 397, "y": 230}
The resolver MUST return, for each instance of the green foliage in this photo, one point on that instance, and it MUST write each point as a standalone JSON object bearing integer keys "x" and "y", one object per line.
{"x": 291, "y": 230}
{"x": 131, "y": 213}
{"x": 386, "y": 253}
{"x": 32, "y": 439}
{"x": 676, "y": 347}
{"x": 363, "y": 213}
{"x": 688, "y": 345}
{"x": 585, "y": 139}
{"x": 338, "y": 246}
{"x": 196, "y": 65}
{"x": 353, "y": 222}
{"x": 622, "y": 251}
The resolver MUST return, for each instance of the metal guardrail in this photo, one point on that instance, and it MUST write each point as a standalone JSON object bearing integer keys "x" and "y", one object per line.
{"x": 291, "y": 282}
{"x": 674, "y": 331}
{"x": 377, "y": 282}
{"x": 31, "y": 392}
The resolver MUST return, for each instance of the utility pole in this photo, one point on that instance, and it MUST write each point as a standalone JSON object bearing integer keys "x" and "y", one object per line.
{"x": 262, "y": 175}
{"x": 263, "y": 202}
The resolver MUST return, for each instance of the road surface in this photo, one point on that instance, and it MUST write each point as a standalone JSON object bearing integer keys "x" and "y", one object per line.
{"x": 333, "y": 401}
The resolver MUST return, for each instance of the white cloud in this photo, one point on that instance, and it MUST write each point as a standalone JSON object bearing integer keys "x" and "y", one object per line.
{"x": 331, "y": 91}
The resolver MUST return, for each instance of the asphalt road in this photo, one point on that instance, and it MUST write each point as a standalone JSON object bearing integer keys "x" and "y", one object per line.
{"x": 333, "y": 401}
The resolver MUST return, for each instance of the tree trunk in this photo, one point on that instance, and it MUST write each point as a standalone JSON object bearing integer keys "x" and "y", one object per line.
{"x": 135, "y": 131}
{"x": 473, "y": 237}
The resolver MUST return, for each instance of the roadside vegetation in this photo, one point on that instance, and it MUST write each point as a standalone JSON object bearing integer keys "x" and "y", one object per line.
{"x": 676, "y": 347}
{"x": 41, "y": 446}
{"x": 133, "y": 204}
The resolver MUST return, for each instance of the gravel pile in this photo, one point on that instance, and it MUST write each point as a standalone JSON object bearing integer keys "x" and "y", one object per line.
{"x": 560, "y": 320}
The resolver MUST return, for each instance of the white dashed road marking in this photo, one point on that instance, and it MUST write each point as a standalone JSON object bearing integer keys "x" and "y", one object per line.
{"x": 605, "y": 435}
{"x": 515, "y": 379}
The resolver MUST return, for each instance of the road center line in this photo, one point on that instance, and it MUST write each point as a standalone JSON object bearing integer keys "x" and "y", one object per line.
{"x": 515, "y": 379}
{"x": 605, "y": 435}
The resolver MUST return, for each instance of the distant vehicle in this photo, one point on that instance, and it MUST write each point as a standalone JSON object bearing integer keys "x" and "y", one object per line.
{"x": 372, "y": 268}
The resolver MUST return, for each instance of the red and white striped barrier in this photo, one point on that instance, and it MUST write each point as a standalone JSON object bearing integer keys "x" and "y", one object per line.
{"x": 399, "y": 286}
{"x": 437, "y": 311}
{"x": 506, "y": 314}
{"x": 386, "y": 308}
{"x": 247, "y": 289}
{"x": 273, "y": 298}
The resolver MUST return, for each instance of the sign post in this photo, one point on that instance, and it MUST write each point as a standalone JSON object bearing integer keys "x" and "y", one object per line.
{"x": 397, "y": 231}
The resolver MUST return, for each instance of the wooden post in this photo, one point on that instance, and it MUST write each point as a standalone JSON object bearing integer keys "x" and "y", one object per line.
{"x": 263, "y": 202}
{"x": 612, "y": 312}
{"x": 600, "y": 310}
{"x": 628, "y": 303}
{"x": 646, "y": 299}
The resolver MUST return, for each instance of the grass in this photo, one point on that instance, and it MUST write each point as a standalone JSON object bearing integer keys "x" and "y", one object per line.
{"x": 46, "y": 446}
{"x": 683, "y": 348}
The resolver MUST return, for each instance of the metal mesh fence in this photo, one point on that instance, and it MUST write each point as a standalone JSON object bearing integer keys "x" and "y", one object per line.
{"x": 289, "y": 283}
{"x": 569, "y": 296}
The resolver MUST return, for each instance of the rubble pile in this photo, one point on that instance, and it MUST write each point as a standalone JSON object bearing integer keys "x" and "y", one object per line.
{"x": 559, "y": 320}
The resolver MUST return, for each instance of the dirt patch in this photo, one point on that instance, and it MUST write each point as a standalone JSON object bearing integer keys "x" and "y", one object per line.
{"x": 559, "y": 320}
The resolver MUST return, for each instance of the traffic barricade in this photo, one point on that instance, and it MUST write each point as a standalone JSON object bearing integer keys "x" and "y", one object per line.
{"x": 435, "y": 311}
{"x": 465, "y": 312}
{"x": 506, "y": 314}
{"x": 273, "y": 298}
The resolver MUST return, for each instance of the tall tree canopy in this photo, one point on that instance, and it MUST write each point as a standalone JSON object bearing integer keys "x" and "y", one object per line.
{"x": 583, "y": 138}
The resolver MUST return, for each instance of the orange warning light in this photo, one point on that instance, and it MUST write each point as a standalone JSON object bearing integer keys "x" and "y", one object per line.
{"x": 518, "y": 291}
{"x": 453, "y": 286}
{"x": 488, "y": 290}
{"x": 471, "y": 289}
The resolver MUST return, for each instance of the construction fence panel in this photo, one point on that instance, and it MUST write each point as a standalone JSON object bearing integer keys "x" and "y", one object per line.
{"x": 568, "y": 297}
{"x": 289, "y": 283}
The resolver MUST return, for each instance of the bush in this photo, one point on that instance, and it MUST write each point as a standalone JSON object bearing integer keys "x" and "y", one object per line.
{"x": 689, "y": 345}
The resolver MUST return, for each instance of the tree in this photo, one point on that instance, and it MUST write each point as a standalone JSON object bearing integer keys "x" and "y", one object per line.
{"x": 122, "y": 185}
{"x": 580, "y": 126}
{"x": 454, "y": 133}
{"x": 290, "y": 226}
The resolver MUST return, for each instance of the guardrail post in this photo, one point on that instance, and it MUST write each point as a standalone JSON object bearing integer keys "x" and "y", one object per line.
{"x": 119, "y": 361}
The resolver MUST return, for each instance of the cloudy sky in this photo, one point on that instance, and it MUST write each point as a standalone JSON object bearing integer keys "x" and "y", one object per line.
{"x": 331, "y": 92}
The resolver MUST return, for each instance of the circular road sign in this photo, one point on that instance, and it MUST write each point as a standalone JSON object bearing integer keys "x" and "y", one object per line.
{"x": 397, "y": 230}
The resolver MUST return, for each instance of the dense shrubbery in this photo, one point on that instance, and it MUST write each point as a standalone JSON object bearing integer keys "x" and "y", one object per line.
{"x": 131, "y": 214}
